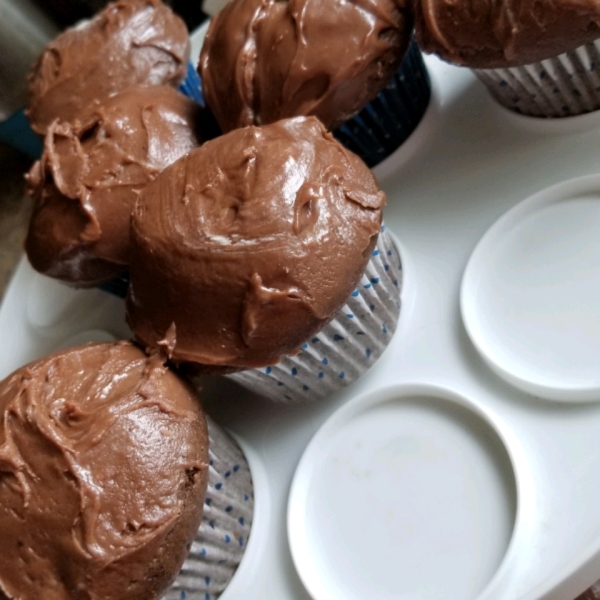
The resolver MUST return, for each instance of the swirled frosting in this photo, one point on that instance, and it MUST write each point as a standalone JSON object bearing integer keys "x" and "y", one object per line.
{"x": 264, "y": 60}
{"x": 90, "y": 174}
{"x": 129, "y": 42}
{"x": 103, "y": 468}
{"x": 250, "y": 244}
{"x": 487, "y": 34}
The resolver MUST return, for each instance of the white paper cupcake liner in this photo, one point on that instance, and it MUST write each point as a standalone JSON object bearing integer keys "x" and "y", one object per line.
{"x": 223, "y": 535}
{"x": 564, "y": 86}
{"x": 348, "y": 346}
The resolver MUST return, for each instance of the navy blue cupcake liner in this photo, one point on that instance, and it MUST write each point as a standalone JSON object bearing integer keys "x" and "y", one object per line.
{"x": 564, "y": 86}
{"x": 387, "y": 122}
{"x": 17, "y": 132}
{"x": 192, "y": 85}
{"x": 117, "y": 286}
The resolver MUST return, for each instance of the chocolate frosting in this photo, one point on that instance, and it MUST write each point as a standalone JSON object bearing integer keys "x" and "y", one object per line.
{"x": 90, "y": 174}
{"x": 250, "y": 244}
{"x": 264, "y": 60}
{"x": 103, "y": 471}
{"x": 129, "y": 42}
{"x": 487, "y": 34}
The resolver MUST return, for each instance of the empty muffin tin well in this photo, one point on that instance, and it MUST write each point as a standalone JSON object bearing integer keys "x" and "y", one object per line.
{"x": 530, "y": 292}
{"x": 418, "y": 472}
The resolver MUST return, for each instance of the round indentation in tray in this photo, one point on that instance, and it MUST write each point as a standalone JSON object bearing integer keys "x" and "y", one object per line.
{"x": 405, "y": 493}
{"x": 530, "y": 296}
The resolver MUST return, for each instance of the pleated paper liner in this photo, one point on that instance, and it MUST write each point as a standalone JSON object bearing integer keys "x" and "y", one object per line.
{"x": 348, "y": 346}
{"x": 564, "y": 86}
{"x": 226, "y": 522}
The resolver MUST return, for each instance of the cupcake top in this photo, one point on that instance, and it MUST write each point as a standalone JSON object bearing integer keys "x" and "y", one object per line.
{"x": 264, "y": 60}
{"x": 485, "y": 35}
{"x": 89, "y": 176}
{"x": 129, "y": 42}
{"x": 103, "y": 467}
{"x": 250, "y": 244}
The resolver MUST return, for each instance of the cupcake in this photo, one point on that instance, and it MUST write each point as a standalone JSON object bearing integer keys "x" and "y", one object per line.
{"x": 252, "y": 251}
{"x": 104, "y": 477}
{"x": 536, "y": 58}
{"x": 129, "y": 42}
{"x": 265, "y": 60}
{"x": 90, "y": 174}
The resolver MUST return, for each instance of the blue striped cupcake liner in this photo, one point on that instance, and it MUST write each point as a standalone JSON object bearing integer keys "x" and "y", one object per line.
{"x": 564, "y": 86}
{"x": 388, "y": 121}
{"x": 192, "y": 85}
{"x": 221, "y": 541}
{"x": 345, "y": 348}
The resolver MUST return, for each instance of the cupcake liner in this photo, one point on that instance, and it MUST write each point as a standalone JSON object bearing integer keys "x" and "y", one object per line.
{"x": 345, "y": 348}
{"x": 117, "y": 286}
{"x": 387, "y": 122}
{"x": 223, "y": 535}
{"x": 192, "y": 85}
{"x": 17, "y": 132}
{"x": 564, "y": 86}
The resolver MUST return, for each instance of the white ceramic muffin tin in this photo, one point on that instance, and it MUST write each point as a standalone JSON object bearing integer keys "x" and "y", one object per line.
{"x": 432, "y": 477}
